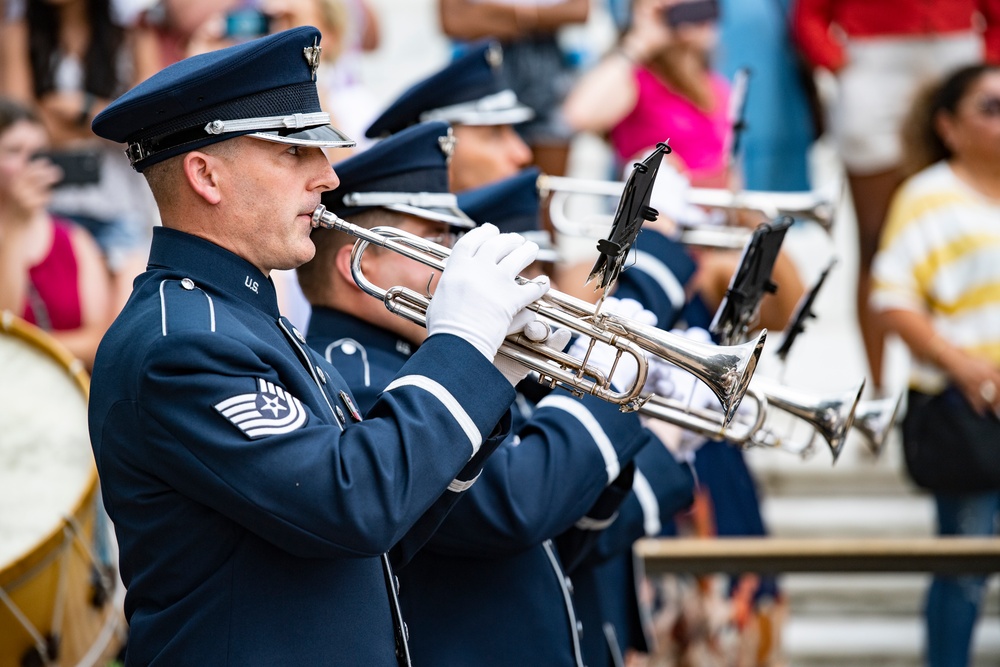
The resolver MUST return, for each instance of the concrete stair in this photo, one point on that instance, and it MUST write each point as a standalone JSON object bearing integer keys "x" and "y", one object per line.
{"x": 849, "y": 619}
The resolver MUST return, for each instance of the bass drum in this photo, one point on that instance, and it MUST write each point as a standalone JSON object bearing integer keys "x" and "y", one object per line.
{"x": 60, "y": 596}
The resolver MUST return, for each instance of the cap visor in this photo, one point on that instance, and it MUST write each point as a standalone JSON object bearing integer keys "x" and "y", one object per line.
{"x": 451, "y": 216}
{"x": 321, "y": 136}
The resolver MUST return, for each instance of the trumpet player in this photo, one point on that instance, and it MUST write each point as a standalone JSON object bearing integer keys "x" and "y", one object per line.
{"x": 252, "y": 506}
{"x": 489, "y": 587}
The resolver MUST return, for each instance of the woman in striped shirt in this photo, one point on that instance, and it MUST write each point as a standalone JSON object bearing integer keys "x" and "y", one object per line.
{"x": 937, "y": 285}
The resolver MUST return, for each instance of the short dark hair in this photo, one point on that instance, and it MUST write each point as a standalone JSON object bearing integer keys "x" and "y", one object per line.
{"x": 12, "y": 111}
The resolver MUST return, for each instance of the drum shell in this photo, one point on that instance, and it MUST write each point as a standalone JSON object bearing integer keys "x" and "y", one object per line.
{"x": 58, "y": 572}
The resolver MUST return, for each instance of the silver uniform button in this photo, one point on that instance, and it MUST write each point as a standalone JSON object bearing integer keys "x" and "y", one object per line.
{"x": 579, "y": 628}
{"x": 406, "y": 632}
{"x": 348, "y": 348}
{"x": 569, "y": 585}
{"x": 321, "y": 374}
{"x": 298, "y": 334}
{"x": 187, "y": 284}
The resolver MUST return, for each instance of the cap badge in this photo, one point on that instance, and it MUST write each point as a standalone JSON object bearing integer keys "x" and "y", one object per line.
{"x": 311, "y": 54}
{"x": 494, "y": 55}
{"x": 447, "y": 144}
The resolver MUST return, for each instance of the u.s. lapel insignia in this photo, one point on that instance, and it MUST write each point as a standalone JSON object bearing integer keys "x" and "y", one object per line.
{"x": 352, "y": 410}
{"x": 447, "y": 145}
{"x": 312, "y": 56}
{"x": 269, "y": 411}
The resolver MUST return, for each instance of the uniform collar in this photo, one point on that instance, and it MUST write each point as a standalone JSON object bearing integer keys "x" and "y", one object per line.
{"x": 330, "y": 323}
{"x": 206, "y": 262}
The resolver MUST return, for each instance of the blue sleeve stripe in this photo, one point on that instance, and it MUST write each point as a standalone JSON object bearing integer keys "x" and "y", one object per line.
{"x": 579, "y": 412}
{"x": 647, "y": 501}
{"x": 663, "y": 276}
{"x": 438, "y": 391}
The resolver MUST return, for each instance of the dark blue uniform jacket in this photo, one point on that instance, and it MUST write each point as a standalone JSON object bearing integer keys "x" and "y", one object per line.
{"x": 488, "y": 588}
{"x": 251, "y": 510}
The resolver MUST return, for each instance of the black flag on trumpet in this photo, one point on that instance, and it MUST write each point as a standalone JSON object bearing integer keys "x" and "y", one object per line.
{"x": 803, "y": 312}
{"x": 740, "y": 306}
{"x": 633, "y": 209}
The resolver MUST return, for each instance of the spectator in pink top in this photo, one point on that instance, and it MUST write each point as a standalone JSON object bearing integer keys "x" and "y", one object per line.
{"x": 657, "y": 85}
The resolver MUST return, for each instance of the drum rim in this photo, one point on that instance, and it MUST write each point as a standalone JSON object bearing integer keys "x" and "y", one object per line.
{"x": 24, "y": 565}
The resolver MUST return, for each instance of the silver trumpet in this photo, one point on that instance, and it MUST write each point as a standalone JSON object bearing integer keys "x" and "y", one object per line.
{"x": 725, "y": 370}
{"x": 874, "y": 420}
{"x": 818, "y": 206}
{"x": 831, "y": 416}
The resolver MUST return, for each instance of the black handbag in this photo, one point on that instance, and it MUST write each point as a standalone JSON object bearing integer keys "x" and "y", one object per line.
{"x": 949, "y": 448}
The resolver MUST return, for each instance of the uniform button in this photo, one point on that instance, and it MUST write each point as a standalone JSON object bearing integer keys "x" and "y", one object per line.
{"x": 339, "y": 414}
{"x": 569, "y": 585}
{"x": 406, "y": 632}
{"x": 298, "y": 334}
{"x": 321, "y": 374}
{"x": 395, "y": 579}
{"x": 348, "y": 348}
{"x": 187, "y": 284}
{"x": 579, "y": 628}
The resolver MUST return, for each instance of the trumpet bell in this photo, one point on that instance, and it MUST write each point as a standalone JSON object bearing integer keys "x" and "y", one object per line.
{"x": 831, "y": 416}
{"x": 874, "y": 419}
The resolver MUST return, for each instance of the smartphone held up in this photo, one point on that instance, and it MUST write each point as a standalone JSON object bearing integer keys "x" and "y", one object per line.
{"x": 691, "y": 12}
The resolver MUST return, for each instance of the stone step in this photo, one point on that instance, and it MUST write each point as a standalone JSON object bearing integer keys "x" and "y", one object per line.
{"x": 856, "y": 516}
{"x": 876, "y": 594}
{"x": 836, "y": 641}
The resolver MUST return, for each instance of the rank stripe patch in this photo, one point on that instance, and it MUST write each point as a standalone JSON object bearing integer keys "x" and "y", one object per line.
{"x": 270, "y": 411}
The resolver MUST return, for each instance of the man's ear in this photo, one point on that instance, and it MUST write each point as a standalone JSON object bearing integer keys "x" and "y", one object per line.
{"x": 342, "y": 265}
{"x": 202, "y": 173}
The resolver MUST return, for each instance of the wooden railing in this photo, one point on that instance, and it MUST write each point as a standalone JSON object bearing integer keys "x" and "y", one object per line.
{"x": 782, "y": 554}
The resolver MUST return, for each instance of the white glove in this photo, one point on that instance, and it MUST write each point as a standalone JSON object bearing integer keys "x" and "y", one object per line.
{"x": 515, "y": 371}
{"x": 477, "y": 297}
{"x": 670, "y": 381}
{"x": 602, "y": 357}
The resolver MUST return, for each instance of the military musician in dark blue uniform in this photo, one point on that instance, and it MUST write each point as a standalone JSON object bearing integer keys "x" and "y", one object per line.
{"x": 251, "y": 504}
{"x": 489, "y": 587}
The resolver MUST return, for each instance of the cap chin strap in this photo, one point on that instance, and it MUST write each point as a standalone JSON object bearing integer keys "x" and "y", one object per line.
{"x": 145, "y": 148}
{"x": 416, "y": 199}
{"x": 295, "y": 121}
{"x": 502, "y": 101}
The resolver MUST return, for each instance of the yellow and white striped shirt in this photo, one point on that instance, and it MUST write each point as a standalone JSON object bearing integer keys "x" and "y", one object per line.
{"x": 940, "y": 254}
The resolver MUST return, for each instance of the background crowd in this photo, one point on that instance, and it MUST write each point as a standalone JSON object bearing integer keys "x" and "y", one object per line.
{"x": 76, "y": 221}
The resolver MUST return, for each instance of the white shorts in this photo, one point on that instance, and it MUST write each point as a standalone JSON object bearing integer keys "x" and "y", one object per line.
{"x": 877, "y": 87}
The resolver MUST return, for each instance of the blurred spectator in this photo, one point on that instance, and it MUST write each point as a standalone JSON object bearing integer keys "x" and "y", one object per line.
{"x": 70, "y": 59}
{"x": 779, "y": 125}
{"x": 657, "y": 84}
{"x": 882, "y": 52}
{"x": 535, "y": 66}
{"x": 51, "y": 270}
{"x": 936, "y": 283}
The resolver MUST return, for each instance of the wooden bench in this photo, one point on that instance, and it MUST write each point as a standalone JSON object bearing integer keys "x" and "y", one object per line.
{"x": 952, "y": 555}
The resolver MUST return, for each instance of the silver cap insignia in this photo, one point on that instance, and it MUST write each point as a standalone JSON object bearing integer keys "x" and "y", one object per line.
{"x": 312, "y": 56}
